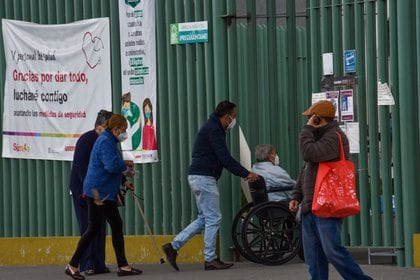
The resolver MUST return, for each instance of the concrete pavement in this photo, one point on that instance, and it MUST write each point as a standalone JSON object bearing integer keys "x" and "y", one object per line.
{"x": 295, "y": 269}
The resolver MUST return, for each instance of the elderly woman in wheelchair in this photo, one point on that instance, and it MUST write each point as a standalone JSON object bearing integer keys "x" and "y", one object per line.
{"x": 265, "y": 231}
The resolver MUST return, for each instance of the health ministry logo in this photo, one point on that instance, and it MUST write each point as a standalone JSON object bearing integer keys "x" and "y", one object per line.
{"x": 132, "y": 3}
{"x": 24, "y": 148}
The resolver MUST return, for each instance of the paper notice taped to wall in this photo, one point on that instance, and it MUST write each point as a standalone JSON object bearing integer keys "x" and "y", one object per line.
{"x": 384, "y": 95}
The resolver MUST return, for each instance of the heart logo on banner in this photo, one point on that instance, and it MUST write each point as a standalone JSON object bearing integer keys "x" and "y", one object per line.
{"x": 92, "y": 48}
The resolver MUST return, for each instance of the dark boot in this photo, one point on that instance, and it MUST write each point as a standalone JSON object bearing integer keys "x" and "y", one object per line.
{"x": 171, "y": 254}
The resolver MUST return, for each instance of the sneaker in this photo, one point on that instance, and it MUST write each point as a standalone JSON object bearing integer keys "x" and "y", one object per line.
{"x": 171, "y": 254}
{"x": 216, "y": 264}
{"x": 90, "y": 272}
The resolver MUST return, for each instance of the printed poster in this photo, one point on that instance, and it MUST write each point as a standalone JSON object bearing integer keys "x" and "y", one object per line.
{"x": 138, "y": 79}
{"x": 57, "y": 79}
{"x": 332, "y": 96}
{"x": 346, "y": 105}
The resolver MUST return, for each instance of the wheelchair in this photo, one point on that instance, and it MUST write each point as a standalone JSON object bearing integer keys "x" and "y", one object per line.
{"x": 265, "y": 231}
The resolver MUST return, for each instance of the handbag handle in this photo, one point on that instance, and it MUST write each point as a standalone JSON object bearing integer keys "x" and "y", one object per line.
{"x": 341, "y": 146}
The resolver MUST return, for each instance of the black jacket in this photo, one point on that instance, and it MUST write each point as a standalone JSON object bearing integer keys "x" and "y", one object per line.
{"x": 81, "y": 161}
{"x": 210, "y": 153}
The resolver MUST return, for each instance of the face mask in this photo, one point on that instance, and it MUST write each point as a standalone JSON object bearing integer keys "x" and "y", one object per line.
{"x": 148, "y": 114}
{"x": 126, "y": 112}
{"x": 232, "y": 124}
{"x": 276, "y": 160}
{"x": 122, "y": 137}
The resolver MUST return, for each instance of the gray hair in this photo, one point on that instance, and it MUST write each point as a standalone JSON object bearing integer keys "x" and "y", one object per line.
{"x": 103, "y": 117}
{"x": 262, "y": 151}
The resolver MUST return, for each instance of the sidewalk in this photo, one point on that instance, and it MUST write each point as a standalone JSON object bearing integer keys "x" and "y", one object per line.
{"x": 295, "y": 269}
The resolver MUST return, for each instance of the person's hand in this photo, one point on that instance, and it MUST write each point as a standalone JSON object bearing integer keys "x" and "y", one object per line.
{"x": 129, "y": 164}
{"x": 293, "y": 205}
{"x": 129, "y": 185}
{"x": 251, "y": 177}
{"x": 129, "y": 172}
{"x": 315, "y": 121}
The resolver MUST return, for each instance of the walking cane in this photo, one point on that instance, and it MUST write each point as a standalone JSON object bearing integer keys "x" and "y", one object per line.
{"x": 136, "y": 199}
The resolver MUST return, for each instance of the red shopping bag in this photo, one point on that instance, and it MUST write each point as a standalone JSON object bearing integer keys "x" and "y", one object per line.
{"x": 335, "y": 189}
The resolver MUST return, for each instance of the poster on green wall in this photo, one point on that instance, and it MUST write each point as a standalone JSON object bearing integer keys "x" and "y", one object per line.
{"x": 51, "y": 91}
{"x": 138, "y": 79}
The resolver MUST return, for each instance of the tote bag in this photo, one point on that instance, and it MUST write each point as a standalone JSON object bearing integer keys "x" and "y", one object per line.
{"x": 335, "y": 188}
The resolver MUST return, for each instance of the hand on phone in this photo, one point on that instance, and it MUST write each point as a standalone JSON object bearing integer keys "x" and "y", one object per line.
{"x": 314, "y": 121}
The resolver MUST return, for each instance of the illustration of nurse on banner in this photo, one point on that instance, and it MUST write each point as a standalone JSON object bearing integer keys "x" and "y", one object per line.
{"x": 131, "y": 112}
{"x": 149, "y": 136}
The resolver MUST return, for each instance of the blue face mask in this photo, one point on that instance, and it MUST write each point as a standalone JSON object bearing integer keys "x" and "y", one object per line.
{"x": 148, "y": 115}
{"x": 126, "y": 112}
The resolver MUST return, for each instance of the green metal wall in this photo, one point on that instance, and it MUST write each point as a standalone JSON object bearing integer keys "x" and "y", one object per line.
{"x": 236, "y": 64}
{"x": 269, "y": 71}
{"x": 385, "y": 35}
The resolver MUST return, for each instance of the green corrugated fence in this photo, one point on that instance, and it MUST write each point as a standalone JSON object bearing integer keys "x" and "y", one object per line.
{"x": 269, "y": 68}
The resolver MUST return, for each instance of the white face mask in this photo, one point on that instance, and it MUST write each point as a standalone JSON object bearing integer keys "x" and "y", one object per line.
{"x": 232, "y": 124}
{"x": 276, "y": 160}
{"x": 122, "y": 137}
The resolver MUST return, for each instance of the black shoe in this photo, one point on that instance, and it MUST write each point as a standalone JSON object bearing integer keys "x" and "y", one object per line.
{"x": 73, "y": 274}
{"x": 132, "y": 271}
{"x": 90, "y": 272}
{"x": 171, "y": 254}
{"x": 104, "y": 270}
{"x": 216, "y": 264}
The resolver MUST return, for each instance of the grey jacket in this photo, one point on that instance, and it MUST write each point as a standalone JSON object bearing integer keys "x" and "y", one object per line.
{"x": 316, "y": 145}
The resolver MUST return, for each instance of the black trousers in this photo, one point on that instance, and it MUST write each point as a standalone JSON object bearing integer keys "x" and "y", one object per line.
{"x": 94, "y": 256}
{"x": 96, "y": 213}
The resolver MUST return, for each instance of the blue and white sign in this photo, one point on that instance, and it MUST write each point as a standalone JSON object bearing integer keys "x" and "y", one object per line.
{"x": 350, "y": 61}
{"x": 189, "y": 32}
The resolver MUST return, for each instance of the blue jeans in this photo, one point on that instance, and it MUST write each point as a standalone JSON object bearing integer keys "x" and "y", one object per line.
{"x": 209, "y": 216}
{"x": 322, "y": 244}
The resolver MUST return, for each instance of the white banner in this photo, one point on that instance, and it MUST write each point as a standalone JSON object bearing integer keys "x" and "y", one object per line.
{"x": 138, "y": 79}
{"x": 57, "y": 80}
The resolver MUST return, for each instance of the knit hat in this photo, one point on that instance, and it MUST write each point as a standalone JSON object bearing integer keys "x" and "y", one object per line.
{"x": 323, "y": 108}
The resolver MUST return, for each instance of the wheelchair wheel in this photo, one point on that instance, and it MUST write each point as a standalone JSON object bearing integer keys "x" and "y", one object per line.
{"x": 271, "y": 234}
{"x": 237, "y": 231}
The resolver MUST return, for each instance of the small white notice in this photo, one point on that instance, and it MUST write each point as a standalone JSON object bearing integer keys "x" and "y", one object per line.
{"x": 318, "y": 96}
{"x": 327, "y": 64}
{"x": 352, "y": 132}
{"x": 384, "y": 95}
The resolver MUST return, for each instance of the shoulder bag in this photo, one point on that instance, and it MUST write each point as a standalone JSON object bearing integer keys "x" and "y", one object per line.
{"x": 335, "y": 188}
